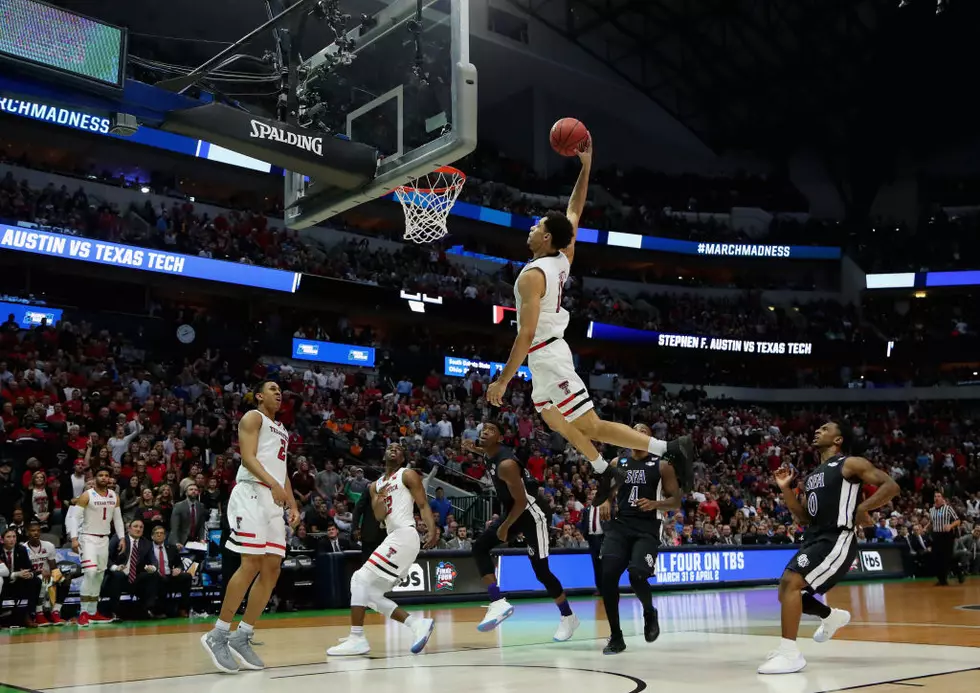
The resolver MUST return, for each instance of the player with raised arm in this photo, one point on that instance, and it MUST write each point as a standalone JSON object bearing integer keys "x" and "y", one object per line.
{"x": 558, "y": 393}
{"x": 88, "y": 523}
{"x": 831, "y": 515}
{"x": 642, "y": 491}
{"x": 258, "y": 529}
{"x": 520, "y": 515}
{"x": 393, "y": 499}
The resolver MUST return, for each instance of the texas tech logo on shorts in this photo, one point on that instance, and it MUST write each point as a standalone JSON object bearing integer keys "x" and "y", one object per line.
{"x": 238, "y": 523}
{"x": 564, "y": 387}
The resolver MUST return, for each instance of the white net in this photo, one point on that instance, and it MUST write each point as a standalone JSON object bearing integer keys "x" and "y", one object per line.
{"x": 427, "y": 201}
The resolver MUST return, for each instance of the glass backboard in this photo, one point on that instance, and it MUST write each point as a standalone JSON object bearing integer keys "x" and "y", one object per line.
{"x": 401, "y": 82}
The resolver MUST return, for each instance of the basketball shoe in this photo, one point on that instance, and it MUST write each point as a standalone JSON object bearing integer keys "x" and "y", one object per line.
{"x": 241, "y": 648}
{"x": 828, "y": 626}
{"x": 567, "y": 628}
{"x": 56, "y": 619}
{"x": 100, "y": 619}
{"x": 40, "y": 620}
{"x": 215, "y": 643}
{"x": 422, "y": 630}
{"x": 782, "y": 662}
{"x": 651, "y": 625}
{"x": 498, "y": 612}
{"x": 353, "y": 646}
{"x": 614, "y": 645}
{"x": 83, "y": 619}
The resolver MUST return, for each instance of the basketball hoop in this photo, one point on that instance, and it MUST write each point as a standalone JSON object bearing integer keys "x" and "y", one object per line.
{"x": 427, "y": 201}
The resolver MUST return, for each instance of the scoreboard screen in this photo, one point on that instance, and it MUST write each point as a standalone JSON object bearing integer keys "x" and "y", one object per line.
{"x": 40, "y": 35}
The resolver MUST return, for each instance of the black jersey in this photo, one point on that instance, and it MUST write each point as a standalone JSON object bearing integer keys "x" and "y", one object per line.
{"x": 638, "y": 479}
{"x": 499, "y": 485}
{"x": 830, "y": 499}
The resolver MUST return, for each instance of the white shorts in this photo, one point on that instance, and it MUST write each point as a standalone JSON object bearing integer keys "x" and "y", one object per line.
{"x": 94, "y": 552}
{"x": 554, "y": 382}
{"x": 394, "y": 558}
{"x": 257, "y": 523}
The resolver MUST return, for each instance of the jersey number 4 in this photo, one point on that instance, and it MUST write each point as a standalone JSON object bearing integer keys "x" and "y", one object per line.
{"x": 282, "y": 450}
{"x": 634, "y": 495}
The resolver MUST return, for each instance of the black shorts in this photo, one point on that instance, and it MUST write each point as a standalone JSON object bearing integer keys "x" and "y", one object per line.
{"x": 533, "y": 524}
{"x": 635, "y": 542}
{"x": 825, "y": 559}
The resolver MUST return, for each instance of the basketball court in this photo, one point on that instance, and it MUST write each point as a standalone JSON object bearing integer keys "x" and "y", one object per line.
{"x": 903, "y": 635}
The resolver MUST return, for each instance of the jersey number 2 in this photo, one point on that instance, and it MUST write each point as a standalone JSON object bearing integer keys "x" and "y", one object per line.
{"x": 282, "y": 450}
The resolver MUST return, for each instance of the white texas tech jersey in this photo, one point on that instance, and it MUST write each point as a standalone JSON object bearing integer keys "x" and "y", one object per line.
{"x": 270, "y": 452}
{"x": 401, "y": 505}
{"x": 41, "y": 555}
{"x": 97, "y": 518}
{"x": 553, "y": 318}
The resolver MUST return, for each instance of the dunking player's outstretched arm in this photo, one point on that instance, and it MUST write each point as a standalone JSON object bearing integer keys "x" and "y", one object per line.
{"x": 784, "y": 479}
{"x": 860, "y": 468}
{"x": 510, "y": 473}
{"x": 413, "y": 482}
{"x": 580, "y": 193}
{"x": 531, "y": 287}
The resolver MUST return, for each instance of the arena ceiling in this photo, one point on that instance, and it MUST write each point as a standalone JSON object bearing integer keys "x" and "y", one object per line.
{"x": 769, "y": 74}
{"x": 856, "y": 76}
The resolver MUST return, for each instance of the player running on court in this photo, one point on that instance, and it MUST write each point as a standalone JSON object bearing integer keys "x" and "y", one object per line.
{"x": 393, "y": 500}
{"x": 521, "y": 515}
{"x": 88, "y": 522}
{"x": 831, "y": 513}
{"x": 645, "y": 488}
{"x": 559, "y": 395}
{"x": 258, "y": 529}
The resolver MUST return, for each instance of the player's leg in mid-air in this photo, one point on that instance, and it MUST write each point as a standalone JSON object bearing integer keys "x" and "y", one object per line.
{"x": 382, "y": 571}
{"x": 561, "y": 398}
{"x": 533, "y": 524}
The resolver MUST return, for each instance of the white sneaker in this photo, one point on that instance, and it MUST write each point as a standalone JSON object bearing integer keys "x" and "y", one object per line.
{"x": 498, "y": 612}
{"x": 567, "y": 628}
{"x": 353, "y": 646}
{"x": 779, "y": 662}
{"x": 828, "y": 626}
{"x": 423, "y": 631}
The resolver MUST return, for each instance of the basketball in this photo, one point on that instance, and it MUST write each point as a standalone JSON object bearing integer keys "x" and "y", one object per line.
{"x": 569, "y": 136}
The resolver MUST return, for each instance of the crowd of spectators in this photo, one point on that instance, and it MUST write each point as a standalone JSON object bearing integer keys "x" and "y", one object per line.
{"x": 75, "y": 398}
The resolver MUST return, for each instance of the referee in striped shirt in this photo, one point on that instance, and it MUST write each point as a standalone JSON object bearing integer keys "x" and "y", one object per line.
{"x": 944, "y": 522}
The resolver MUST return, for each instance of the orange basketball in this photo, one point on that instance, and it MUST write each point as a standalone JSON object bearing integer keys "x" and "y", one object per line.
{"x": 569, "y": 136}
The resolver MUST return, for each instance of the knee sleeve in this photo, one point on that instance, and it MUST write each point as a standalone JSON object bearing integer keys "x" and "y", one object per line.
{"x": 481, "y": 551}
{"x": 367, "y": 590}
{"x": 544, "y": 575}
{"x": 612, "y": 568}
{"x": 91, "y": 584}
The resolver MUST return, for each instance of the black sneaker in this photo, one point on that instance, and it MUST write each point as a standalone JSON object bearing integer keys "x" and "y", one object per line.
{"x": 651, "y": 625}
{"x": 615, "y": 645}
{"x": 680, "y": 453}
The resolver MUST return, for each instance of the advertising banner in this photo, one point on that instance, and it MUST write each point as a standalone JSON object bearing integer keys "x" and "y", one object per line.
{"x": 330, "y": 352}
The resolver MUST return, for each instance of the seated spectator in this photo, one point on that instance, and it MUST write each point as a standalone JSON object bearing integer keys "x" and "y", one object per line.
{"x": 133, "y": 571}
{"x": 19, "y": 583}
{"x": 173, "y": 580}
{"x": 460, "y": 542}
{"x": 334, "y": 542}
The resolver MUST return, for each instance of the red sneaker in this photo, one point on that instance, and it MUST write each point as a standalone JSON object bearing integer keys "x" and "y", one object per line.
{"x": 83, "y": 619}
{"x": 56, "y": 619}
{"x": 100, "y": 618}
{"x": 40, "y": 620}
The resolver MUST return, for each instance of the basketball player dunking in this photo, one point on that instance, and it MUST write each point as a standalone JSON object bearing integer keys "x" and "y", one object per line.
{"x": 559, "y": 395}
{"x": 831, "y": 514}
{"x": 88, "y": 523}
{"x": 645, "y": 488}
{"x": 521, "y": 515}
{"x": 258, "y": 529}
{"x": 393, "y": 500}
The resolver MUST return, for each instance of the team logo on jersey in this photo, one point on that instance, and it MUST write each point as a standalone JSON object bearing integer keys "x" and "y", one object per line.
{"x": 833, "y": 464}
{"x": 445, "y": 576}
{"x": 802, "y": 560}
{"x": 392, "y": 551}
{"x": 565, "y": 387}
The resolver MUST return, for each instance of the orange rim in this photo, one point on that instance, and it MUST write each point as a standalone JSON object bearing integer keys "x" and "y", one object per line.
{"x": 450, "y": 170}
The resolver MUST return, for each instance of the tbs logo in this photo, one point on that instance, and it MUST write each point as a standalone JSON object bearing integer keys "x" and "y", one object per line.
{"x": 308, "y": 349}
{"x": 357, "y": 355}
